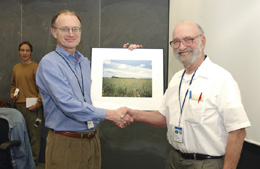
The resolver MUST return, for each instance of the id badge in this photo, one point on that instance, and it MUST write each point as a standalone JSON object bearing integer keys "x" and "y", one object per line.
{"x": 178, "y": 133}
{"x": 90, "y": 124}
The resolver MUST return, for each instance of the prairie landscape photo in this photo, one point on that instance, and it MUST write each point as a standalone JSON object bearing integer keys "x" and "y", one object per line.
{"x": 127, "y": 78}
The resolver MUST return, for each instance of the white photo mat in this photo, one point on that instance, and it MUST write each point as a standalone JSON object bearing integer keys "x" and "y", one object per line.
{"x": 101, "y": 55}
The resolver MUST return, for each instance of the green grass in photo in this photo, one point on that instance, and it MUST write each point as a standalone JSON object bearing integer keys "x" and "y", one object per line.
{"x": 126, "y": 87}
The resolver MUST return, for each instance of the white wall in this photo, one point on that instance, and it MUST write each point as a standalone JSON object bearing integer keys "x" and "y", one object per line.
{"x": 232, "y": 30}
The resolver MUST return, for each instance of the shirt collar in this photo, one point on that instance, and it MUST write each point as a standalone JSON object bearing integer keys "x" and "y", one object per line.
{"x": 202, "y": 69}
{"x": 67, "y": 55}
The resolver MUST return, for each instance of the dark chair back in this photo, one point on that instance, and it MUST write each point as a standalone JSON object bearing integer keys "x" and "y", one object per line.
{"x": 5, "y": 155}
{"x": 17, "y": 148}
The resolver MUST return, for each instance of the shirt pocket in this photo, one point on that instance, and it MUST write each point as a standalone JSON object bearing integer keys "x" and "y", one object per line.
{"x": 194, "y": 110}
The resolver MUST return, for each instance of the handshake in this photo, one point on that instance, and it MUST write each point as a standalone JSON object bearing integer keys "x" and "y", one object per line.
{"x": 122, "y": 116}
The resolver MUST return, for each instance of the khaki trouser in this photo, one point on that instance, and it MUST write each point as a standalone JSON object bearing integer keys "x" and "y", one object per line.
{"x": 64, "y": 152}
{"x": 176, "y": 161}
{"x": 33, "y": 132}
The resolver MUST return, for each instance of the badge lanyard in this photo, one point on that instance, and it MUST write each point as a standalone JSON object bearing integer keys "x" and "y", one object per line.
{"x": 181, "y": 105}
{"x": 81, "y": 87}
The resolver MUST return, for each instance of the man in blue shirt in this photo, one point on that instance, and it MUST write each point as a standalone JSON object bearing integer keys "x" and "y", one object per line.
{"x": 64, "y": 79}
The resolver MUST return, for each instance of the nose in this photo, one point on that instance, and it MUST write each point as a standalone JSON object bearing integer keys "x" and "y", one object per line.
{"x": 70, "y": 32}
{"x": 182, "y": 46}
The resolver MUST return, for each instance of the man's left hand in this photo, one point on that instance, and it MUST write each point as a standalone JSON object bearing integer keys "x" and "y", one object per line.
{"x": 33, "y": 108}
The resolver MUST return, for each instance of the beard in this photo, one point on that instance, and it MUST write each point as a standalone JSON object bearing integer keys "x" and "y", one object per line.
{"x": 196, "y": 53}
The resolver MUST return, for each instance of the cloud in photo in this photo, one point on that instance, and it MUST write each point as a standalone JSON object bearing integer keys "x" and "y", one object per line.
{"x": 128, "y": 68}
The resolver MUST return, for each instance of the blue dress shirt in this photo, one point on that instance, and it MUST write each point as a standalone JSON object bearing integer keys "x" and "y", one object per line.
{"x": 22, "y": 157}
{"x": 64, "y": 82}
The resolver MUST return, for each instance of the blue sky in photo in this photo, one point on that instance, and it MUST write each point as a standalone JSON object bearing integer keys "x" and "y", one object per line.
{"x": 128, "y": 68}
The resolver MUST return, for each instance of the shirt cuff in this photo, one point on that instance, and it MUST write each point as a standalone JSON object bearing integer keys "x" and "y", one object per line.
{"x": 99, "y": 114}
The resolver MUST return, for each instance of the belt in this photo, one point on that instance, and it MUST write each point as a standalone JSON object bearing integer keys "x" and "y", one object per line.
{"x": 194, "y": 156}
{"x": 76, "y": 135}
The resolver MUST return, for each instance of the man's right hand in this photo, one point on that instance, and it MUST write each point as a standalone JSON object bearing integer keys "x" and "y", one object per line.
{"x": 14, "y": 98}
{"x": 119, "y": 117}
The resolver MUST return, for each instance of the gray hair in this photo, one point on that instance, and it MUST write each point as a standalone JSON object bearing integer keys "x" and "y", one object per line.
{"x": 200, "y": 29}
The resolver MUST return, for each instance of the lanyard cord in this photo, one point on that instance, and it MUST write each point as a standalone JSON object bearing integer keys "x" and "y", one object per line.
{"x": 181, "y": 105}
{"x": 81, "y": 88}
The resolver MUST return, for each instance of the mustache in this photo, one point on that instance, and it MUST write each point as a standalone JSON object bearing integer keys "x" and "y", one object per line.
{"x": 178, "y": 51}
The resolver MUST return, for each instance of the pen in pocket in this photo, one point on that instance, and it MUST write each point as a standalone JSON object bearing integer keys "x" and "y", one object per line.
{"x": 200, "y": 97}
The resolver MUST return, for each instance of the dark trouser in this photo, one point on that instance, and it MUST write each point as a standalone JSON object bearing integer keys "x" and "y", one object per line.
{"x": 176, "y": 161}
{"x": 33, "y": 132}
{"x": 63, "y": 152}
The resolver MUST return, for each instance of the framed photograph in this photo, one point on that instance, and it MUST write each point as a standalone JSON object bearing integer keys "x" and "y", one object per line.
{"x": 121, "y": 77}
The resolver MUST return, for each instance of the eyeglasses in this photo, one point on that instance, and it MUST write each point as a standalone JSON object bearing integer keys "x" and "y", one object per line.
{"x": 187, "y": 41}
{"x": 66, "y": 29}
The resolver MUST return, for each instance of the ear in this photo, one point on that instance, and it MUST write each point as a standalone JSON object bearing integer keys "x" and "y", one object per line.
{"x": 203, "y": 42}
{"x": 53, "y": 32}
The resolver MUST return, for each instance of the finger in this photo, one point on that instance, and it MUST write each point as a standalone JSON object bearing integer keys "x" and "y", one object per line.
{"x": 125, "y": 45}
{"x": 127, "y": 120}
{"x": 140, "y": 46}
{"x": 119, "y": 125}
{"x": 122, "y": 115}
{"x": 132, "y": 47}
{"x": 130, "y": 120}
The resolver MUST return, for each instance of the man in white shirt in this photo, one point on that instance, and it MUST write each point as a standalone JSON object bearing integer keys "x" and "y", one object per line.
{"x": 201, "y": 108}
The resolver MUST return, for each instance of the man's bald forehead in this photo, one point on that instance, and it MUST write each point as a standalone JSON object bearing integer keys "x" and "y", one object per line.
{"x": 187, "y": 26}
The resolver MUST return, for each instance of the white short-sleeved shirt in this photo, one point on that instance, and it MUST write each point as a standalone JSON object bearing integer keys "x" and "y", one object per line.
{"x": 206, "y": 123}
